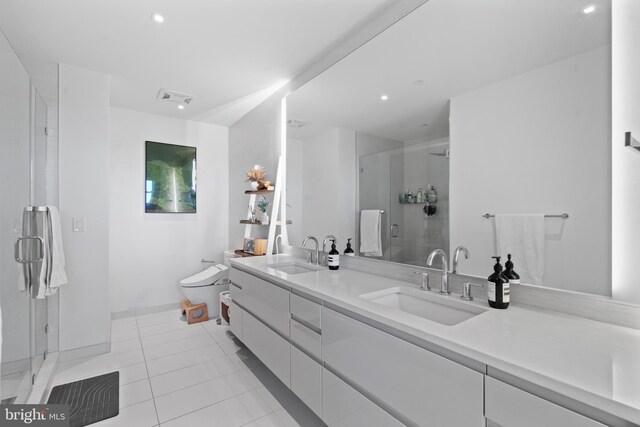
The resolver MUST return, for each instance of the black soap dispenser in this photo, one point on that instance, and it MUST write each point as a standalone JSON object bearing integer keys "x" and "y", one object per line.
{"x": 514, "y": 278}
{"x": 334, "y": 257}
{"x": 498, "y": 287}
{"x": 349, "y": 251}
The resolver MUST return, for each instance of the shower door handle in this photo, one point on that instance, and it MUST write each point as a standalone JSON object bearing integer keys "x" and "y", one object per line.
{"x": 18, "y": 246}
{"x": 395, "y": 230}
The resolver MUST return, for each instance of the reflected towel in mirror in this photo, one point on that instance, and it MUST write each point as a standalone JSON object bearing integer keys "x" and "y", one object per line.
{"x": 370, "y": 233}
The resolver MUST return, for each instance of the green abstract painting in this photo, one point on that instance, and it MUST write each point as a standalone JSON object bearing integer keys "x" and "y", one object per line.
{"x": 170, "y": 178}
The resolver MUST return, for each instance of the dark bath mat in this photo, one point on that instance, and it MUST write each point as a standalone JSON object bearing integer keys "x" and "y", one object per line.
{"x": 91, "y": 400}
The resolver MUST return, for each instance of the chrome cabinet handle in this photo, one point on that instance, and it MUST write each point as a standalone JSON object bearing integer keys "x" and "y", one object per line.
{"x": 18, "y": 246}
{"x": 395, "y": 230}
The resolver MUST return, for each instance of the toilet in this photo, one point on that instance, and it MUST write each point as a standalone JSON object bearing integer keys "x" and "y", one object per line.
{"x": 205, "y": 287}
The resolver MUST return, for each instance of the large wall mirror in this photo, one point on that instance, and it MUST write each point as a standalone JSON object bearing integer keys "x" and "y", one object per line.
{"x": 498, "y": 106}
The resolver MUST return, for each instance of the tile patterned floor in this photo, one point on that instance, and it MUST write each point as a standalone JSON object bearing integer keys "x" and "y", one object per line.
{"x": 173, "y": 374}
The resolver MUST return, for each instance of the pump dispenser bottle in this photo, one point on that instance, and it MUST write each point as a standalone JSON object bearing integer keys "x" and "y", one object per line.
{"x": 512, "y": 276}
{"x": 349, "y": 251}
{"x": 498, "y": 287}
{"x": 334, "y": 257}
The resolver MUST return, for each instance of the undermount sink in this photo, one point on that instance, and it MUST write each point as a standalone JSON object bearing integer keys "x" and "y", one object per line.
{"x": 445, "y": 310}
{"x": 294, "y": 267}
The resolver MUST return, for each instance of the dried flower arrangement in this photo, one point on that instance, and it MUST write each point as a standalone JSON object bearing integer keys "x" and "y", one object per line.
{"x": 256, "y": 173}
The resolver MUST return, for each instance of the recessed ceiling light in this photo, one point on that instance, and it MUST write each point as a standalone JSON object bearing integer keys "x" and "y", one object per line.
{"x": 384, "y": 97}
{"x": 158, "y": 18}
{"x": 180, "y": 107}
{"x": 588, "y": 10}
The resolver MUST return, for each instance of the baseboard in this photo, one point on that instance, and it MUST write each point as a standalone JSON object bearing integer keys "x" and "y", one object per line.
{"x": 78, "y": 353}
{"x": 138, "y": 311}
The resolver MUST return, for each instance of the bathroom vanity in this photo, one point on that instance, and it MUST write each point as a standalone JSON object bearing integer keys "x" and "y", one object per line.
{"x": 354, "y": 347}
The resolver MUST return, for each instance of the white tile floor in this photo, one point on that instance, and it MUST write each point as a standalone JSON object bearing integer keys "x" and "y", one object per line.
{"x": 174, "y": 374}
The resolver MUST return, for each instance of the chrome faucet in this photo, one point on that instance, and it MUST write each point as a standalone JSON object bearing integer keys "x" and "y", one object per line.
{"x": 444, "y": 283}
{"x": 279, "y": 236}
{"x": 324, "y": 248}
{"x": 304, "y": 242}
{"x": 456, "y": 254}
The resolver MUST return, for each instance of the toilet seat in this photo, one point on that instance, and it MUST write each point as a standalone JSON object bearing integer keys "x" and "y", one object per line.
{"x": 205, "y": 278}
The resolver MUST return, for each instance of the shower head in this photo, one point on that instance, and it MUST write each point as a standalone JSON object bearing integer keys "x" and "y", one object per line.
{"x": 445, "y": 153}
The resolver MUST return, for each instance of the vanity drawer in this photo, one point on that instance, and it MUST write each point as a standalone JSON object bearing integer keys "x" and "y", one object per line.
{"x": 410, "y": 380}
{"x": 511, "y": 407}
{"x": 306, "y": 380}
{"x": 305, "y": 310}
{"x": 306, "y": 338}
{"x": 344, "y": 406}
{"x": 272, "y": 349}
{"x": 267, "y": 301}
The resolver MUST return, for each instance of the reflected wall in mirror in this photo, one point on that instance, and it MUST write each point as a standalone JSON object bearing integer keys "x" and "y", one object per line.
{"x": 519, "y": 93}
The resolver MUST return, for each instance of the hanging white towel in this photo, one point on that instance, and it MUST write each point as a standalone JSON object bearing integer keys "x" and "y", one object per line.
{"x": 370, "y": 233}
{"x": 522, "y": 236}
{"x": 58, "y": 275}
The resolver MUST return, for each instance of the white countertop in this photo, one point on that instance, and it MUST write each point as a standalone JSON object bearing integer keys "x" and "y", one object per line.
{"x": 589, "y": 361}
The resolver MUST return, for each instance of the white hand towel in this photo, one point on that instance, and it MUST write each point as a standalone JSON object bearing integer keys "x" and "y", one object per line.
{"x": 58, "y": 273}
{"x": 370, "y": 233}
{"x": 522, "y": 236}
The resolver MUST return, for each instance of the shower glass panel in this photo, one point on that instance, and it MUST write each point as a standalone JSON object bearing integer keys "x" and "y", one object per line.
{"x": 410, "y": 231}
{"x": 15, "y": 190}
{"x": 23, "y": 158}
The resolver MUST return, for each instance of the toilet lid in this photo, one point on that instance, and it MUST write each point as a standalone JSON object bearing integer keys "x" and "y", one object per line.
{"x": 204, "y": 278}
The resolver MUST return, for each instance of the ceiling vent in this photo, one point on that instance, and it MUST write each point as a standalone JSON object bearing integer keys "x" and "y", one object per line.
{"x": 173, "y": 96}
{"x": 296, "y": 123}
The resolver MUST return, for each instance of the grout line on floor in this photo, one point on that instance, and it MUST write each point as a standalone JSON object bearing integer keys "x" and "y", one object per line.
{"x": 155, "y": 407}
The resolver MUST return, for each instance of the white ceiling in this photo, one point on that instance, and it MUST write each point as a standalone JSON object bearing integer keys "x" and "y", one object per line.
{"x": 454, "y": 46}
{"x": 229, "y": 54}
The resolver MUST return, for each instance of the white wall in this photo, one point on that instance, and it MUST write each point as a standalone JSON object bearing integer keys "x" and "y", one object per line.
{"x": 625, "y": 161}
{"x": 84, "y": 192}
{"x": 538, "y": 143}
{"x": 150, "y": 253}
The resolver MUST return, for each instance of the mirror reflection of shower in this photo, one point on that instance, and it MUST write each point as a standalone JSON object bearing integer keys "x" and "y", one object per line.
{"x": 411, "y": 183}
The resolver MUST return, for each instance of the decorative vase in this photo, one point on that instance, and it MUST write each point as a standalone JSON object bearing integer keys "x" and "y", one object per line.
{"x": 254, "y": 185}
{"x": 264, "y": 218}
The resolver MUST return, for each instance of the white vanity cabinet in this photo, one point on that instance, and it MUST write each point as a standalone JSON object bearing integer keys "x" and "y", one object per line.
{"x": 306, "y": 355}
{"x": 263, "y": 324}
{"x": 508, "y": 406}
{"x": 424, "y": 388}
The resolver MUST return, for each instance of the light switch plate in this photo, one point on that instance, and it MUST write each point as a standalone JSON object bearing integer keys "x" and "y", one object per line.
{"x": 78, "y": 224}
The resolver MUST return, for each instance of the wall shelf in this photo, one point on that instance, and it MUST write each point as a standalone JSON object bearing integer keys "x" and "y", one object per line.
{"x": 258, "y": 191}
{"x": 249, "y": 222}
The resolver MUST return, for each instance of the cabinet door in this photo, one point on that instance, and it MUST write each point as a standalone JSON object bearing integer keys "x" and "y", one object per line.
{"x": 266, "y": 300}
{"x": 273, "y": 350}
{"x": 426, "y": 388}
{"x": 343, "y": 406}
{"x": 306, "y": 380}
{"x": 511, "y": 407}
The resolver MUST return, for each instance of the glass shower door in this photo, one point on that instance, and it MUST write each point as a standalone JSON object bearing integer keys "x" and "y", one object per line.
{"x": 15, "y": 190}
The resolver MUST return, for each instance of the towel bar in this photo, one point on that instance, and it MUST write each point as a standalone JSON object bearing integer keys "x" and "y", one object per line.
{"x": 564, "y": 215}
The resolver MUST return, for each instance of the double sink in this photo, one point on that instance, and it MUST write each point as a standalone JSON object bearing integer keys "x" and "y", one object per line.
{"x": 447, "y": 311}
